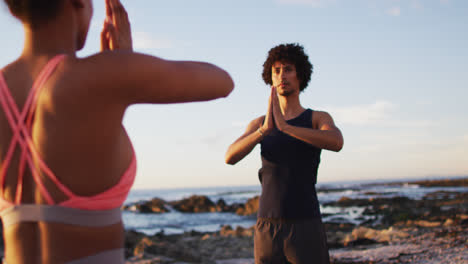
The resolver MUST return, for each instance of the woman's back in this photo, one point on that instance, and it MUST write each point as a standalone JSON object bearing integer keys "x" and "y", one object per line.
{"x": 81, "y": 141}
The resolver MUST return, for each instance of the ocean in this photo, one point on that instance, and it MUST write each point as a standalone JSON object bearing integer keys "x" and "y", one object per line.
{"x": 176, "y": 222}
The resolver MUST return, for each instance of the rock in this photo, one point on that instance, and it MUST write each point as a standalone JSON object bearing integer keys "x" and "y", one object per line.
{"x": 244, "y": 232}
{"x": 329, "y": 189}
{"x": 227, "y": 231}
{"x": 449, "y": 222}
{"x": 194, "y": 204}
{"x": 362, "y": 235}
{"x": 150, "y": 259}
{"x": 440, "y": 195}
{"x": 464, "y": 222}
{"x": 374, "y": 255}
{"x": 179, "y": 250}
{"x": 346, "y": 201}
{"x": 374, "y": 202}
{"x": 221, "y": 206}
{"x": 234, "y": 207}
{"x": 131, "y": 240}
{"x": 463, "y": 216}
{"x": 335, "y": 227}
{"x": 146, "y": 245}
{"x": 423, "y": 223}
{"x": 236, "y": 261}
{"x": 371, "y": 193}
{"x": 443, "y": 183}
{"x": 250, "y": 207}
{"x": 335, "y": 239}
{"x": 390, "y": 235}
{"x": 359, "y": 242}
{"x": 155, "y": 205}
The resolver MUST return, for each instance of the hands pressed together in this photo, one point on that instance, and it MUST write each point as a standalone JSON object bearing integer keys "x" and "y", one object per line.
{"x": 116, "y": 33}
{"x": 274, "y": 117}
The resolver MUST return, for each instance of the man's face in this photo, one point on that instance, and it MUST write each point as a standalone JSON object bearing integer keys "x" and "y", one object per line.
{"x": 284, "y": 78}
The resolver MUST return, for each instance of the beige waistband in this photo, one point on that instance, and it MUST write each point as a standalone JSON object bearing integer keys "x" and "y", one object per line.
{"x": 115, "y": 256}
{"x": 59, "y": 214}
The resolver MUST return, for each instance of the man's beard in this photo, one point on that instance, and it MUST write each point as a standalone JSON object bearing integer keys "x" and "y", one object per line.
{"x": 286, "y": 93}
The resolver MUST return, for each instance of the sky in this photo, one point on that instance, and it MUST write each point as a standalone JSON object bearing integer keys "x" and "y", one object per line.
{"x": 392, "y": 73}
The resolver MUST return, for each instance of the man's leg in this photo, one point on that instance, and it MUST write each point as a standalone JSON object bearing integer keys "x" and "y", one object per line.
{"x": 306, "y": 242}
{"x": 268, "y": 243}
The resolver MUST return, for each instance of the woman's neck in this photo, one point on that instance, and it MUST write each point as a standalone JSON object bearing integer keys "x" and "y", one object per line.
{"x": 56, "y": 36}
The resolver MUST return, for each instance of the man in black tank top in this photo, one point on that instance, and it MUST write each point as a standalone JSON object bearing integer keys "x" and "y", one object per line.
{"x": 289, "y": 227}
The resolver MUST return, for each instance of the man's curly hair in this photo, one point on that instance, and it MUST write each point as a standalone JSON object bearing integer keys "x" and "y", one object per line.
{"x": 292, "y": 53}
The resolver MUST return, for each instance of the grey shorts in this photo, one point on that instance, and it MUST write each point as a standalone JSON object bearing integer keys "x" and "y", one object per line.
{"x": 290, "y": 241}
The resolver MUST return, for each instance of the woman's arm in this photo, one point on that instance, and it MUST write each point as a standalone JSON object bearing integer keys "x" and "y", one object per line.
{"x": 130, "y": 78}
{"x": 120, "y": 75}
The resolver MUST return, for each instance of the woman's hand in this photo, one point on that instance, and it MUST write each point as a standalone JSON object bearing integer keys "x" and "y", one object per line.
{"x": 116, "y": 34}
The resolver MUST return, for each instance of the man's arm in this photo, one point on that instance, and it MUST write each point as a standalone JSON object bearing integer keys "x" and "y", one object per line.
{"x": 245, "y": 143}
{"x": 326, "y": 136}
{"x": 256, "y": 130}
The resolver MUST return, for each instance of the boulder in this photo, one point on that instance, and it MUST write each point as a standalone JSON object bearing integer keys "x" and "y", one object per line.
{"x": 175, "y": 250}
{"x": 155, "y": 205}
{"x": 443, "y": 183}
{"x": 132, "y": 238}
{"x": 449, "y": 222}
{"x": 145, "y": 246}
{"x": 423, "y": 223}
{"x": 363, "y": 236}
{"x": 221, "y": 206}
{"x": 194, "y": 204}
{"x": 464, "y": 222}
{"x": 250, "y": 207}
{"x": 227, "y": 231}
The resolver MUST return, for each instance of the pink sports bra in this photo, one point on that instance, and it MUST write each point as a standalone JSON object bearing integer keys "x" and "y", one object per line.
{"x": 98, "y": 210}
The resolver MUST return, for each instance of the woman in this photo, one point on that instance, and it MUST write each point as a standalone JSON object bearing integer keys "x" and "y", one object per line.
{"x": 67, "y": 163}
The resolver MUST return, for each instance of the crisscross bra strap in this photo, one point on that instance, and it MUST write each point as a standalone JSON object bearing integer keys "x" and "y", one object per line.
{"x": 21, "y": 126}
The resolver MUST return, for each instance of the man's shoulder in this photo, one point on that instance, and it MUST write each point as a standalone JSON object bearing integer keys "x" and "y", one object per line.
{"x": 319, "y": 117}
{"x": 319, "y": 114}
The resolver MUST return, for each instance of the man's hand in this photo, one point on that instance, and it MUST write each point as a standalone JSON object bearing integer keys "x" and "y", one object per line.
{"x": 268, "y": 123}
{"x": 277, "y": 115}
{"x": 116, "y": 34}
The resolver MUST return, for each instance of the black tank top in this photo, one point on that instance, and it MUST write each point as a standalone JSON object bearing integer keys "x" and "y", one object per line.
{"x": 289, "y": 173}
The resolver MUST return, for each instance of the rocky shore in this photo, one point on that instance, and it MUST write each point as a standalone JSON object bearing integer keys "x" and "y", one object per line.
{"x": 433, "y": 229}
{"x": 193, "y": 204}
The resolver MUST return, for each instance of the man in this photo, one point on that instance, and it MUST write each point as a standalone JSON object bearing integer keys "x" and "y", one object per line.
{"x": 289, "y": 227}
